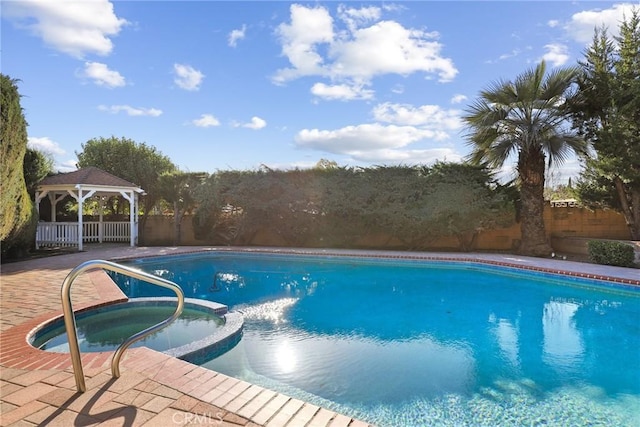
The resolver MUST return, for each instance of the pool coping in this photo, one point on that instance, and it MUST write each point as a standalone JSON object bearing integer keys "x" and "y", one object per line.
{"x": 561, "y": 267}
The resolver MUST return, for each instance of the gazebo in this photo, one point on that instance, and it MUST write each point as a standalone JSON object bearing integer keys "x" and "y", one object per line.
{"x": 81, "y": 185}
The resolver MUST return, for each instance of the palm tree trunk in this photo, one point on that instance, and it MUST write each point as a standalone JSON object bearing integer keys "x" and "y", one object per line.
{"x": 531, "y": 167}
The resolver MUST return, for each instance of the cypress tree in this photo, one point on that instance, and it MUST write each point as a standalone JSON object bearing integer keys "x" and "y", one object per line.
{"x": 607, "y": 112}
{"x": 17, "y": 213}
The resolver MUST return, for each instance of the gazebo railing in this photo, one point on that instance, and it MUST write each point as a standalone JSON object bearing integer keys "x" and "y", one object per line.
{"x": 106, "y": 231}
{"x": 57, "y": 234}
{"x": 64, "y": 234}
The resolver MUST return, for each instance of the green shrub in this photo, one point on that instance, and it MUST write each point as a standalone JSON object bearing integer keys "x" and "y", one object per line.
{"x": 611, "y": 253}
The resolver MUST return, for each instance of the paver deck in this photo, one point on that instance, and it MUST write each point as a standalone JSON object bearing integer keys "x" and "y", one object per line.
{"x": 38, "y": 387}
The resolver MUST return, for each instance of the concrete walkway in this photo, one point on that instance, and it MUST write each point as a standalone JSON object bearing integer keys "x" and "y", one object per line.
{"x": 38, "y": 387}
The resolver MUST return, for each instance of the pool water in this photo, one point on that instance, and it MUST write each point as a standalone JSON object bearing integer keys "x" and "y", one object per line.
{"x": 108, "y": 327}
{"x": 407, "y": 343}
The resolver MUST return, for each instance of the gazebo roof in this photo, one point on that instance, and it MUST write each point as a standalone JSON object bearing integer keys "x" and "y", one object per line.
{"x": 86, "y": 176}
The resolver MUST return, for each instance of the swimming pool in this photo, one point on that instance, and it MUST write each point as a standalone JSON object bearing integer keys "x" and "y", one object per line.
{"x": 407, "y": 342}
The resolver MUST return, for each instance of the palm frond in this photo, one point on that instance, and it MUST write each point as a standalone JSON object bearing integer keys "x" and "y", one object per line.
{"x": 523, "y": 116}
{"x": 558, "y": 82}
{"x": 560, "y": 146}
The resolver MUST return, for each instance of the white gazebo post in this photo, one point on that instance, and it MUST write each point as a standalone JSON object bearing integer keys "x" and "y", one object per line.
{"x": 54, "y": 202}
{"x": 136, "y": 217}
{"x": 39, "y": 197}
{"x": 79, "y": 218}
{"x": 100, "y": 224}
{"x": 131, "y": 198}
{"x": 80, "y": 198}
{"x": 132, "y": 213}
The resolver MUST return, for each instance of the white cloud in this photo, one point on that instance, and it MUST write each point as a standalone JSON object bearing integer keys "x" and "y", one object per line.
{"x": 388, "y": 140}
{"x": 102, "y": 75}
{"x": 187, "y": 77}
{"x": 507, "y": 172}
{"x": 388, "y": 48}
{"x": 553, "y": 23}
{"x": 206, "y": 121}
{"x": 508, "y": 55}
{"x": 512, "y": 54}
{"x": 559, "y": 173}
{"x": 556, "y": 54}
{"x": 378, "y": 157}
{"x": 236, "y": 35}
{"x": 53, "y": 149}
{"x": 426, "y": 116}
{"x": 256, "y": 123}
{"x": 342, "y": 92}
{"x": 360, "y": 52}
{"x": 361, "y": 138}
{"x": 375, "y": 143}
{"x": 66, "y": 166}
{"x": 76, "y": 28}
{"x": 415, "y": 157}
{"x": 582, "y": 24}
{"x": 131, "y": 111}
{"x": 309, "y": 27}
{"x": 398, "y": 89}
{"x": 458, "y": 98}
{"x": 45, "y": 144}
{"x": 355, "y": 18}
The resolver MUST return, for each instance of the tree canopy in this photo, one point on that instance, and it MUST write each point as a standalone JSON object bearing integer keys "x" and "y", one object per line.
{"x": 179, "y": 189}
{"x": 37, "y": 165}
{"x": 607, "y": 113}
{"x": 135, "y": 162}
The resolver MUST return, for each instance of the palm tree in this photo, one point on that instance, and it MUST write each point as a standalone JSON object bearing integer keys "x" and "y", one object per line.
{"x": 527, "y": 118}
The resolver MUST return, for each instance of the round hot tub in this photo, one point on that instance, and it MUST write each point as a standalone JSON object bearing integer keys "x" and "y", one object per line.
{"x": 203, "y": 331}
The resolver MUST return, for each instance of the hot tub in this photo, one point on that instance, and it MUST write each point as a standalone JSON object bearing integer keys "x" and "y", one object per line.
{"x": 203, "y": 331}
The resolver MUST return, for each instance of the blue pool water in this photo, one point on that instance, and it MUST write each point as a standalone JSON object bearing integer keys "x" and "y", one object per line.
{"x": 408, "y": 343}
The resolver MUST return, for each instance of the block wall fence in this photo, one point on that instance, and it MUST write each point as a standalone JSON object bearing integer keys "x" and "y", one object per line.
{"x": 564, "y": 225}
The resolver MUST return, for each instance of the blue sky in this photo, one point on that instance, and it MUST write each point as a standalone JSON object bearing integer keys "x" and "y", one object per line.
{"x": 235, "y": 85}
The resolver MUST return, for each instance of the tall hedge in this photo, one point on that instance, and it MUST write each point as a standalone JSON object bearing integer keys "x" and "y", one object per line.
{"x": 336, "y": 207}
{"x": 17, "y": 213}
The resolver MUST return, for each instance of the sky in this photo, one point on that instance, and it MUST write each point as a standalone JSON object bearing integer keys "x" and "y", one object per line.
{"x": 237, "y": 85}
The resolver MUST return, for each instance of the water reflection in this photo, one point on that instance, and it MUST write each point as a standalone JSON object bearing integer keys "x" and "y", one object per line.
{"x": 286, "y": 357}
{"x": 506, "y": 335}
{"x": 272, "y": 311}
{"x": 563, "y": 347}
{"x": 352, "y": 368}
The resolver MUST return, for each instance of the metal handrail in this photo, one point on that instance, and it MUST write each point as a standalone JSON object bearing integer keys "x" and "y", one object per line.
{"x": 70, "y": 318}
